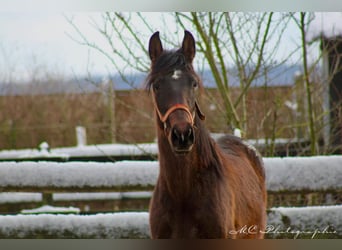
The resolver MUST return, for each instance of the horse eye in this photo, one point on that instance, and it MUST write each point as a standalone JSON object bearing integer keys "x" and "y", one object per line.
{"x": 194, "y": 84}
{"x": 155, "y": 86}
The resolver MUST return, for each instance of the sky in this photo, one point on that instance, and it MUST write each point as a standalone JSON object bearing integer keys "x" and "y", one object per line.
{"x": 31, "y": 40}
{"x": 36, "y": 42}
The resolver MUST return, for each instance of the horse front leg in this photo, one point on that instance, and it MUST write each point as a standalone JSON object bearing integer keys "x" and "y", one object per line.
{"x": 160, "y": 227}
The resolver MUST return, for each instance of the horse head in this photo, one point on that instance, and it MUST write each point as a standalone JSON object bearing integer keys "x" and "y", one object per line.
{"x": 175, "y": 85}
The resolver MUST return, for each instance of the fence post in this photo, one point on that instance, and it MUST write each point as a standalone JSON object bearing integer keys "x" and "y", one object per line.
{"x": 81, "y": 136}
{"x": 47, "y": 198}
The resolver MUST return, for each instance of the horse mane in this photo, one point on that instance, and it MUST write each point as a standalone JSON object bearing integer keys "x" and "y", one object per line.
{"x": 166, "y": 63}
{"x": 206, "y": 149}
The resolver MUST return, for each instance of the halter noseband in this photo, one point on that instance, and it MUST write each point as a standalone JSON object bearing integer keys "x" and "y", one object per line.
{"x": 163, "y": 118}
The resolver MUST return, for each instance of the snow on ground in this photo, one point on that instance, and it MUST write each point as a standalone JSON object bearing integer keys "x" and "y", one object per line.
{"x": 113, "y": 225}
{"x": 51, "y": 210}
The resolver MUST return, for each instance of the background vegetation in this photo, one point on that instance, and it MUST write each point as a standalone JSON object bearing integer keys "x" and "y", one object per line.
{"x": 238, "y": 45}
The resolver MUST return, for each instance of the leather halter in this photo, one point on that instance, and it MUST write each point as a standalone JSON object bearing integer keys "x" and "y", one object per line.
{"x": 163, "y": 118}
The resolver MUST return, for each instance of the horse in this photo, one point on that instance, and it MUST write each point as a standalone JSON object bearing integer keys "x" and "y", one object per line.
{"x": 205, "y": 188}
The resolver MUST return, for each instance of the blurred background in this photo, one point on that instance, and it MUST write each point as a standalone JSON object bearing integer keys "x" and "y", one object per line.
{"x": 274, "y": 76}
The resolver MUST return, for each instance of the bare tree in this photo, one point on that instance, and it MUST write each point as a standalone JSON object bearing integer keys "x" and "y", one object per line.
{"x": 235, "y": 47}
{"x": 302, "y": 23}
{"x": 235, "y": 40}
{"x": 225, "y": 40}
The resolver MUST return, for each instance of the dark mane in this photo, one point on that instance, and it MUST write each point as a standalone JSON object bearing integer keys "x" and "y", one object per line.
{"x": 168, "y": 61}
{"x": 206, "y": 148}
{"x": 166, "y": 64}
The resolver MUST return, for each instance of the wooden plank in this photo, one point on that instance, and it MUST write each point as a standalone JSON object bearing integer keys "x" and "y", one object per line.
{"x": 111, "y": 226}
{"x": 289, "y": 223}
{"x": 303, "y": 174}
{"x": 313, "y": 222}
{"x": 77, "y": 176}
{"x": 287, "y": 175}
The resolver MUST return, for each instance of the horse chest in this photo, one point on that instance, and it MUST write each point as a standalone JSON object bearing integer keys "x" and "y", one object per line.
{"x": 197, "y": 215}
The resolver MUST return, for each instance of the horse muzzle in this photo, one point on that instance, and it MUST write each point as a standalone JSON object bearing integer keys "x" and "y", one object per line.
{"x": 178, "y": 123}
{"x": 181, "y": 134}
{"x": 182, "y": 138}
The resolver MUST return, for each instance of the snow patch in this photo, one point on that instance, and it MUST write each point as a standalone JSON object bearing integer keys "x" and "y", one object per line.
{"x": 51, "y": 210}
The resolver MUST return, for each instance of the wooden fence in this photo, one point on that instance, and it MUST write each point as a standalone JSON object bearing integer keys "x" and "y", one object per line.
{"x": 284, "y": 176}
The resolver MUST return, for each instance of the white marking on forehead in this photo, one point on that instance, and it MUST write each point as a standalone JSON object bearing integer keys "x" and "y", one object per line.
{"x": 176, "y": 74}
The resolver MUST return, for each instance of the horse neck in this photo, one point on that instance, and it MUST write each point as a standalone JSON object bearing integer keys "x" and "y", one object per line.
{"x": 180, "y": 172}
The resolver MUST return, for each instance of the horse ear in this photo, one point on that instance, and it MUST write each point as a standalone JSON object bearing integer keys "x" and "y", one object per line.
{"x": 155, "y": 47}
{"x": 188, "y": 46}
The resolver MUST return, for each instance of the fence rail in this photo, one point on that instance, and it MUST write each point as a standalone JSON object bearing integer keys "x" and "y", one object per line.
{"x": 297, "y": 174}
{"x": 291, "y": 223}
{"x": 284, "y": 175}
{"x": 77, "y": 176}
{"x": 141, "y": 151}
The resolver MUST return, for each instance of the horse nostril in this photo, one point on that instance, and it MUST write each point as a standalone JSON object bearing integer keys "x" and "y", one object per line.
{"x": 182, "y": 138}
{"x": 189, "y": 132}
{"x": 175, "y": 134}
{"x": 191, "y": 136}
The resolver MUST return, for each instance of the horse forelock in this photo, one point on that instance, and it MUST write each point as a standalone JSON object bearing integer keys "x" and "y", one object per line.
{"x": 167, "y": 63}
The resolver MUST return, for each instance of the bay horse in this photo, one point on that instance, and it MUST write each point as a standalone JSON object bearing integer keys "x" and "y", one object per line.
{"x": 205, "y": 188}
